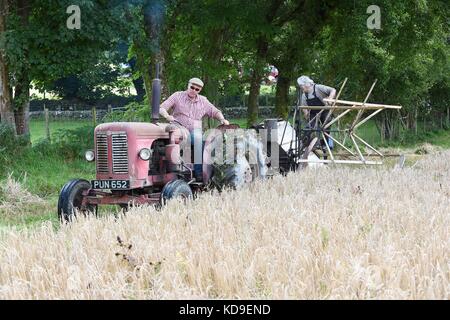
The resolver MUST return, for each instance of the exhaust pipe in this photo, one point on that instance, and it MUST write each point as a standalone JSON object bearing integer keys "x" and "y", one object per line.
{"x": 156, "y": 95}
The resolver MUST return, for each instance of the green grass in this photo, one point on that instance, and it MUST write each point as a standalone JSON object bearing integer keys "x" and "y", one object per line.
{"x": 440, "y": 138}
{"x": 38, "y": 131}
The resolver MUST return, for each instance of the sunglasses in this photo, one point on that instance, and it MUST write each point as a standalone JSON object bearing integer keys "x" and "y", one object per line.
{"x": 196, "y": 89}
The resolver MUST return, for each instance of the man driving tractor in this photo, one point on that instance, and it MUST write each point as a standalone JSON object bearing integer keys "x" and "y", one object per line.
{"x": 188, "y": 108}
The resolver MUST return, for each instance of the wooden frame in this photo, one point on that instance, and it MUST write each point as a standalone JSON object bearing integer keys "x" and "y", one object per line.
{"x": 347, "y": 107}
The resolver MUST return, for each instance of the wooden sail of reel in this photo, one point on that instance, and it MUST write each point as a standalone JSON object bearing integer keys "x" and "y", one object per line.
{"x": 339, "y": 109}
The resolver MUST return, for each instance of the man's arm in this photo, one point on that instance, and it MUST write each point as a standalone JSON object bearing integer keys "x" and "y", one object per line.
{"x": 332, "y": 94}
{"x": 166, "y": 106}
{"x": 329, "y": 91}
{"x": 215, "y": 113}
{"x": 166, "y": 115}
{"x": 303, "y": 103}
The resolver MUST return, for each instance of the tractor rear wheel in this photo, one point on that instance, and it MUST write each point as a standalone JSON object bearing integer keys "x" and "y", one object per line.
{"x": 249, "y": 165}
{"x": 70, "y": 199}
{"x": 176, "y": 189}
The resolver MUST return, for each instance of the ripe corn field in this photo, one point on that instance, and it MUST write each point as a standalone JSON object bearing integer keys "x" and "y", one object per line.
{"x": 325, "y": 233}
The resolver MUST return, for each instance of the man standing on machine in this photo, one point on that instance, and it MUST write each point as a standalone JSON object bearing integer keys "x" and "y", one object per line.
{"x": 314, "y": 95}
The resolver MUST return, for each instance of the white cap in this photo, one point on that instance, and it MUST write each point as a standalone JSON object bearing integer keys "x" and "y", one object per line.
{"x": 304, "y": 80}
{"x": 196, "y": 81}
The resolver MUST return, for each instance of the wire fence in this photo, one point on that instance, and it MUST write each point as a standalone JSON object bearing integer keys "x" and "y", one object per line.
{"x": 47, "y": 121}
{"x": 43, "y": 123}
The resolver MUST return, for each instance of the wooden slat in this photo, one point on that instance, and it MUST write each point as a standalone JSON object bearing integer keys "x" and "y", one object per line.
{"x": 367, "y": 118}
{"x": 348, "y": 150}
{"x": 328, "y": 147}
{"x": 341, "y": 161}
{"x": 365, "y": 107}
{"x": 377, "y": 105}
{"x": 360, "y": 112}
{"x": 357, "y": 148}
{"x": 334, "y": 103}
{"x": 368, "y": 145}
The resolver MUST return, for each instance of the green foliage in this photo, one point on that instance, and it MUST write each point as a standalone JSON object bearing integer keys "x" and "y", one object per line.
{"x": 48, "y": 166}
{"x": 92, "y": 84}
{"x": 440, "y": 138}
{"x": 227, "y": 42}
{"x": 71, "y": 144}
{"x": 8, "y": 140}
{"x": 406, "y": 55}
{"x": 10, "y": 144}
{"x": 134, "y": 111}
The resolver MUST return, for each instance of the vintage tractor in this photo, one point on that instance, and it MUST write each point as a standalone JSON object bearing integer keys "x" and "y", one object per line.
{"x": 150, "y": 163}
{"x": 147, "y": 163}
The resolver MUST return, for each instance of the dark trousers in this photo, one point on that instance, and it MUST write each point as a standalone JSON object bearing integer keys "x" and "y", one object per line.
{"x": 320, "y": 122}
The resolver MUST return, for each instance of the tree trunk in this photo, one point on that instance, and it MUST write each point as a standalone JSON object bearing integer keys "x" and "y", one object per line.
{"x": 448, "y": 118}
{"x": 262, "y": 45}
{"x": 6, "y": 111}
{"x": 154, "y": 13}
{"x": 212, "y": 93}
{"x": 22, "y": 89}
{"x": 161, "y": 59}
{"x": 389, "y": 125}
{"x": 138, "y": 83}
{"x": 253, "y": 106}
{"x": 144, "y": 68}
{"x": 22, "y": 108}
{"x": 255, "y": 82}
{"x": 214, "y": 55}
{"x": 282, "y": 97}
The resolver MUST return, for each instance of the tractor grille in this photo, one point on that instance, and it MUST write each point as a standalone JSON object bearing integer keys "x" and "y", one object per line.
{"x": 102, "y": 153}
{"x": 120, "y": 152}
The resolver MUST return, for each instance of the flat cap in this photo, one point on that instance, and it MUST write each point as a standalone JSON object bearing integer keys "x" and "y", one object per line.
{"x": 197, "y": 82}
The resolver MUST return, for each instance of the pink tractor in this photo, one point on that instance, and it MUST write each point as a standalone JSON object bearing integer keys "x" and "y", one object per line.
{"x": 142, "y": 163}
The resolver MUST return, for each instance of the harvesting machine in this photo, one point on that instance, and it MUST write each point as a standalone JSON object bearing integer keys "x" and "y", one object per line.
{"x": 149, "y": 163}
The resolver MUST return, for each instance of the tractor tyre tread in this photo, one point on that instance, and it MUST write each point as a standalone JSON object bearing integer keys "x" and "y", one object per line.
{"x": 64, "y": 206}
{"x": 175, "y": 188}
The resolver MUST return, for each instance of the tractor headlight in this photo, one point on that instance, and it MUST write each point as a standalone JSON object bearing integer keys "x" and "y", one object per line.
{"x": 145, "y": 154}
{"x": 89, "y": 155}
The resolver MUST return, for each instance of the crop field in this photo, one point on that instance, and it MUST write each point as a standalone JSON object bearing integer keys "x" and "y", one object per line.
{"x": 324, "y": 233}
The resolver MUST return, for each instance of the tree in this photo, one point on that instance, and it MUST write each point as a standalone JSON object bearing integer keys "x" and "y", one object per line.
{"x": 147, "y": 29}
{"x": 39, "y": 46}
{"x": 6, "y": 110}
{"x": 406, "y": 55}
{"x": 108, "y": 74}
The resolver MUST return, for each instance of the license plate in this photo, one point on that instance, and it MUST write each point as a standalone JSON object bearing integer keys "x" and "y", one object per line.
{"x": 111, "y": 184}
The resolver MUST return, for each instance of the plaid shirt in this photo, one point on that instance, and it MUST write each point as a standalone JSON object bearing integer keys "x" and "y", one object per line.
{"x": 190, "y": 112}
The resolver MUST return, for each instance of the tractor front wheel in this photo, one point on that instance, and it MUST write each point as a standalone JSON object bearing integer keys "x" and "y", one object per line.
{"x": 176, "y": 189}
{"x": 70, "y": 199}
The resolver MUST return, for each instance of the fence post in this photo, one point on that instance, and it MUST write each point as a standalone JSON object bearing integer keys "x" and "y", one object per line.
{"x": 94, "y": 116}
{"x": 448, "y": 117}
{"x": 47, "y": 124}
{"x": 416, "y": 125}
{"x": 109, "y": 108}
